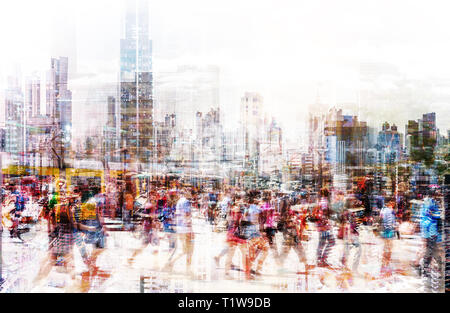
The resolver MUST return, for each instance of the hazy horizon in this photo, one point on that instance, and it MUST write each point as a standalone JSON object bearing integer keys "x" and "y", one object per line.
{"x": 292, "y": 54}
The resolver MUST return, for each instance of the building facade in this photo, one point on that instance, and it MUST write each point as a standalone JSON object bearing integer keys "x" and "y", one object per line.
{"x": 136, "y": 130}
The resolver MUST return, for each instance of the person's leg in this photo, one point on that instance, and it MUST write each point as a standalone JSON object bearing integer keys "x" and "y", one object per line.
{"x": 223, "y": 252}
{"x": 264, "y": 248}
{"x": 300, "y": 252}
{"x": 172, "y": 237}
{"x": 45, "y": 268}
{"x": 69, "y": 264}
{"x": 136, "y": 252}
{"x": 389, "y": 254}
{"x": 189, "y": 250}
{"x": 418, "y": 261}
{"x": 357, "y": 256}
{"x": 244, "y": 247}
{"x": 49, "y": 231}
{"x": 438, "y": 283}
{"x": 252, "y": 250}
{"x": 386, "y": 255}
{"x": 429, "y": 249}
{"x": 330, "y": 244}
{"x": 320, "y": 248}
{"x": 345, "y": 252}
{"x": 230, "y": 254}
{"x": 128, "y": 218}
{"x": 123, "y": 214}
{"x": 79, "y": 242}
{"x": 174, "y": 257}
{"x": 285, "y": 248}
{"x": 273, "y": 245}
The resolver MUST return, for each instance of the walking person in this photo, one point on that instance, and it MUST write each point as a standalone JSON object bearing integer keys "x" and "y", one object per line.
{"x": 326, "y": 237}
{"x": 167, "y": 218}
{"x": 388, "y": 221}
{"x": 185, "y": 233}
{"x": 269, "y": 221}
{"x": 350, "y": 235}
{"x": 150, "y": 225}
{"x": 127, "y": 211}
{"x": 92, "y": 225}
{"x": 258, "y": 242}
{"x": 293, "y": 233}
{"x": 236, "y": 236}
{"x": 226, "y": 206}
{"x": 431, "y": 227}
{"x": 61, "y": 249}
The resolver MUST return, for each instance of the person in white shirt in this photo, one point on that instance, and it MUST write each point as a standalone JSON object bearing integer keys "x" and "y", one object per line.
{"x": 183, "y": 222}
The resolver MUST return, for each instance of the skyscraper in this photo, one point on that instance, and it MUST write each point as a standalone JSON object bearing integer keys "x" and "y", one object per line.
{"x": 389, "y": 143}
{"x": 33, "y": 96}
{"x": 59, "y": 108}
{"x": 421, "y": 138}
{"x": 59, "y": 97}
{"x": 14, "y": 116}
{"x": 251, "y": 121}
{"x": 136, "y": 83}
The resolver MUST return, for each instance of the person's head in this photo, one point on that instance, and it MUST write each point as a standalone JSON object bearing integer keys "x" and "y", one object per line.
{"x": 172, "y": 195}
{"x": 432, "y": 192}
{"x": 324, "y": 192}
{"x": 236, "y": 207}
{"x": 340, "y": 195}
{"x": 390, "y": 202}
{"x": 187, "y": 194}
{"x": 73, "y": 198}
{"x": 236, "y": 197}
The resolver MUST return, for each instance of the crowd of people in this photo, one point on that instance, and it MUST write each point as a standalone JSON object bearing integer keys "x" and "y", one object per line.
{"x": 257, "y": 223}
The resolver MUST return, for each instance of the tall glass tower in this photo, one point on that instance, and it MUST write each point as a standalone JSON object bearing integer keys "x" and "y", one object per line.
{"x": 136, "y": 83}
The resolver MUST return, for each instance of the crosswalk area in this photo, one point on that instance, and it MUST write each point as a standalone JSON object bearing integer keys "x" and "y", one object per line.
{"x": 114, "y": 272}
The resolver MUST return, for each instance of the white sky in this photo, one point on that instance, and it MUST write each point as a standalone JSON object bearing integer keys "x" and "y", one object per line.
{"x": 281, "y": 49}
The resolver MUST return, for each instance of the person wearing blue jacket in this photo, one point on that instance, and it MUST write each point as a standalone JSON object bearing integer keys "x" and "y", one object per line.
{"x": 431, "y": 232}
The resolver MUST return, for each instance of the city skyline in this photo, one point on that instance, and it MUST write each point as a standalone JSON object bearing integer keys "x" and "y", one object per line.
{"x": 246, "y": 54}
{"x": 306, "y": 144}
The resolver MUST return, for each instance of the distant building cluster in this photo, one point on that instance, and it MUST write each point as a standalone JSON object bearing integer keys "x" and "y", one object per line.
{"x": 173, "y": 122}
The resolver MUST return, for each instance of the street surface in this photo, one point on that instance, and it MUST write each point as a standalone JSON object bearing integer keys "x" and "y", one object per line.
{"x": 115, "y": 273}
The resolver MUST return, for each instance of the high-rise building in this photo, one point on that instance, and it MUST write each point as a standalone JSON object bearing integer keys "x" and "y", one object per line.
{"x": 429, "y": 130}
{"x": 421, "y": 138}
{"x": 33, "y": 96}
{"x": 14, "y": 116}
{"x": 59, "y": 97}
{"x": 2, "y": 139}
{"x": 271, "y": 149}
{"x": 208, "y": 140}
{"x": 110, "y": 129}
{"x": 165, "y": 137}
{"x": 337, "y": 144}
{"x": 136, "y": 83}
{"x": 58, "y": 109}
{"x": 251, "y": 134}
{"x": 252, "y": 119}
{"x": 389, "y": 143}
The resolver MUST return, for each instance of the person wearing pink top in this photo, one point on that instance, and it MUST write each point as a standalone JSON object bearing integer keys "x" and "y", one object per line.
{"x": 326, "y": 237}
{"x": 269, "y": 216}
